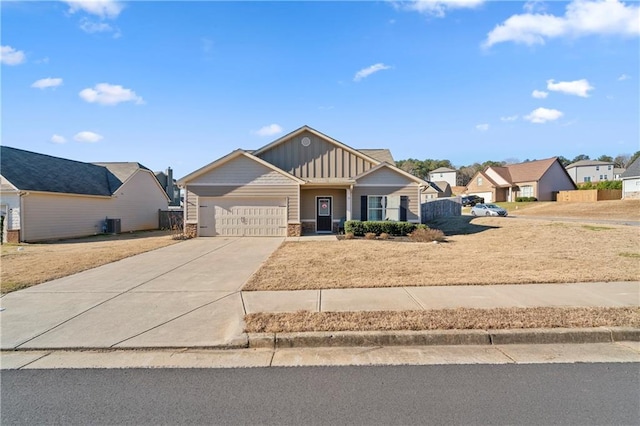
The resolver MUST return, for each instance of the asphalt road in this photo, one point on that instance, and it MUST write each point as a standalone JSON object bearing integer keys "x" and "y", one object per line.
{"x": 579, "y": 394}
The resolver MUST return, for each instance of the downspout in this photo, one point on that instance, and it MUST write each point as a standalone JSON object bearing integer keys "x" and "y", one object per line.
{"x": 22, "y": 221}
{"x": 349, "y": 204}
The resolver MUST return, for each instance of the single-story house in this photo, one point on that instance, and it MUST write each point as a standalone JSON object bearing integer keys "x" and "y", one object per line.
{"x": 591, "y": 171}
{"x": 44, "y": 197}
{"x": 541, "y": 179}
{"x": 438, "y": 189}
{"x": 631, "y": 180}
{"x": 444, "y": 174}
{"x": 304, "y": 181}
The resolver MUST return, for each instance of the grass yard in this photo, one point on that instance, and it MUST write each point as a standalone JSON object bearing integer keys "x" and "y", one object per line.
{"x": 483, "y": 250}
{"x": 613, "y": 210}
{"x": 443, "y": 319}
{"x": 24, "y": 265}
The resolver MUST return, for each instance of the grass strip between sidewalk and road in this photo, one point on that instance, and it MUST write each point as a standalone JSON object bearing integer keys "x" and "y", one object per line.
{"x": 443, "y": 319}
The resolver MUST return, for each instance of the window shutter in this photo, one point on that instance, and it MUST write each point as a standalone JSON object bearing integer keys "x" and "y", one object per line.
{"x": 363, "y": 208}
{"x": 404, "y": 206}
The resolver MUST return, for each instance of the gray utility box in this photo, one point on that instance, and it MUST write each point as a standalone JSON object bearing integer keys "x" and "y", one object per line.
{"x": 113, "y": 226}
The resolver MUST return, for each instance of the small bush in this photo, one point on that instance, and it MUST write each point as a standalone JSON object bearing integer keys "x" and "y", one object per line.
{"x": 525, "y": 199}
{"x": 384, "y": 236}
{"x": 378, "y": 227}
{"x": 349, "y": 236}
{"x": 426, "y": 235}
{"x": 370, "y": 236}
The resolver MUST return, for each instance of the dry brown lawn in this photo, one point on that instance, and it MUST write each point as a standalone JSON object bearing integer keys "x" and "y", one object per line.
{"x": 487, "y": 250}
{"x": 613, "y": 210}
{"x": 25, "y": 265}
{"x": 443, "y": 319}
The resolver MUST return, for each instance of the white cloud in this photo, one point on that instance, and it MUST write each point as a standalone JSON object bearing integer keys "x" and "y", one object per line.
{"x": 270, "y": 130}
{"x": 87, "y": 137}
{"x": 482, "y": 127}
{"x": 542, "y": 115}
{"x": 582, "y": 18}
{"x": 58, "y": 139}
{"x": 533, "y": 6}
{"x": 109, "y": 94}
{"x": 539, "y": 94}
{"x": 44, "y": 83}
{"x": 623, "y": 77}
{"x": 437, "y": 8}
{"x": 105, "y": 9}
{"x": 11, "y": 56}
{"x": 578, "y": 87}
{"x": 509, "y": 118}
{"x": 366, "y": 72}
{"x": 95, "y": 27}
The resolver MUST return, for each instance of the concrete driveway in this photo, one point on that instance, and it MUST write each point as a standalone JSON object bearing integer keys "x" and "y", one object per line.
{"x": 183, "y": 295}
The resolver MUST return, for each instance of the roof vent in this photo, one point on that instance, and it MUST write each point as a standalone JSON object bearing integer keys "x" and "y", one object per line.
{"x": 305, "y": 141}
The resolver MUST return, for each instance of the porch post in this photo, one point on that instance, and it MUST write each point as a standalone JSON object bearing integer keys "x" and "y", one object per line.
{"x": 348, "y": 191}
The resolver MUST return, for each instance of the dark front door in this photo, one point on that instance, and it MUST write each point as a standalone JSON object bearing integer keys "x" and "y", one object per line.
{"x": 323, "y": 215}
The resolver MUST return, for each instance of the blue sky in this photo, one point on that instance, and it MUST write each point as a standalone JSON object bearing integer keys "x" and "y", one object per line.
{"x": 181, "y": 84}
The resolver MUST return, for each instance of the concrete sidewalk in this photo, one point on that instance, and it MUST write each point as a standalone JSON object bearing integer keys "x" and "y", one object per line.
{"x": 611, "y": 294}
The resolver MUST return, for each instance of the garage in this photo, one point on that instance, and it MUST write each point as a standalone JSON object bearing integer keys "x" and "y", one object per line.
{"x": 242, "y": 217}
{"x": 488, "y": 196}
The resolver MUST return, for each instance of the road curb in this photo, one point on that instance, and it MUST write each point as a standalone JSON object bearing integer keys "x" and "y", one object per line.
{"x": 443, "y": 337}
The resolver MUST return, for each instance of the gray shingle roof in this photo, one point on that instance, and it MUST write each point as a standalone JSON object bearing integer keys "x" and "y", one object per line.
{"x": 380, "y": 155}
{"x": 582, "y": 163}
{"x": 633, "y": 170}
{"x": 30, "y": 171}
{"x": 442, "y": 170}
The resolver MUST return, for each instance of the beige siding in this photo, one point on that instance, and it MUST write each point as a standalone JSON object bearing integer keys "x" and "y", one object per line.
{"x": 554, "y": 180}
{"x": 308, "y": 202}
{"x": 410, "y": 191}
{"x": 243, "y": 171}
{"x": 55, "y": 216}
{"x": 321, "y": 159}
{"x": 190, "y": 206}
{"x": 288, "y": 192}
{"x": 496, "y": 177}
{"x": 384, "y": 176}
{"x": 5, "y": 185}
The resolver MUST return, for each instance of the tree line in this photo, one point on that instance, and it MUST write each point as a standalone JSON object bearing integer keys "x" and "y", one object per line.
{"x": 421, "y": 168}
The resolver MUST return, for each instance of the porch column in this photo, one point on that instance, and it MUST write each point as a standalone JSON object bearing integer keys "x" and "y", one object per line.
{"x": 348, "y": 191}
{"x": 510, "y": 194}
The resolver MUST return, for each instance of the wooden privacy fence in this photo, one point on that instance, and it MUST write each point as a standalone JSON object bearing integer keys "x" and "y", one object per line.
{"x": 170, "y": 219}
{"x": 441, "y": 207}
{"x": 590, "y": 195}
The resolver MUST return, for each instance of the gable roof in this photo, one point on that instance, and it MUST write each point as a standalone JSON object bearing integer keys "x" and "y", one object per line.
{"x": 442, "y": 170}
{"x": 503, "y": 172}
{"x": 394, "y": 169}
{"x": 235, "y": 154}
{"x": 633, "y": 171}
{"x": 30, "y": 171}
{"x": 438, "y": 186}
{"x": 583, "y": 163}
{"x": 329, "y": 139}
{"x": 530, "y": 171}
{"x": 122, "y": 172}
{"x": 382, "y": 155}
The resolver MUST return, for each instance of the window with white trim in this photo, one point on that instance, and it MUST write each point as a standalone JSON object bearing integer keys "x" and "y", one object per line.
{"x": 479, "y": 181}
{"x": 383, "y": 207}
{"x": 526, "y": 191}
{"x": 587, "y": 179}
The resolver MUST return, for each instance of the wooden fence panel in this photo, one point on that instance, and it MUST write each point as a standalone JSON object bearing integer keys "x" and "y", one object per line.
{"x": 590, "y": 195}
{"x": 441, "y": 207}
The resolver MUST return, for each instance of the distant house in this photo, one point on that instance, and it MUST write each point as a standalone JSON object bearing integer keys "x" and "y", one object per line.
{"x": 435, "y": 190}
{"x": 44, "y": 197}
{"x": 541, "y": 179}
{"x": 631, "y": 181}
{"x": 617, "y": 173}
{"x": 170, "y": 186}
{"x": 444, "y": 174}
{"x": 304, "y": 181}
{"x": 591, "y": 171}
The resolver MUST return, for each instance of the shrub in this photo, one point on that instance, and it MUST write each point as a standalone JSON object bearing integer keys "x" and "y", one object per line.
{"x": 525, "y": 199}
{"x": 384, "y": 236}
{"x": 369, "y": 236}
{"x": 378, "y": 227}
{"x": 349, "y": 236}
{"x": 355, "y": 227}
{"x": 426, "y": 235}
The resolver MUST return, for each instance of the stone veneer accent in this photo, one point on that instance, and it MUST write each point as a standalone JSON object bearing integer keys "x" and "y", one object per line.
{"x": 191, "y": 230}
{"x": 294, "y": 230}
{"x": 13, "y": 236}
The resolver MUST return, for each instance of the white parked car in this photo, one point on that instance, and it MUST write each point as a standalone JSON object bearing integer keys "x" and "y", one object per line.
{"x": 488, "y": 210}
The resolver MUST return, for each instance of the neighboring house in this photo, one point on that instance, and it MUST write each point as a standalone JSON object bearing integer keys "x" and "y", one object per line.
{"x": 170, "y": 186}
{"x": 631, "y": 181}
{"x": 439, "y": 189}
{"x": 302, "y": 182}
{"x": 617, "y": 173}
{"x": 541, "y": 179}
{"x": 47, "y": 197}
{"x": 591, "y": 171}
{"x": 444, "y": 174}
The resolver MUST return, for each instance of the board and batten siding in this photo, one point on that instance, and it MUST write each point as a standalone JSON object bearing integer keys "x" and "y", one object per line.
{"x": 54, "y": 216}
{"x": 409, "y": 191}
{"x": 242, "y": 171}
{"x": 321, "y": 159}
{"x": 285, "y": 192}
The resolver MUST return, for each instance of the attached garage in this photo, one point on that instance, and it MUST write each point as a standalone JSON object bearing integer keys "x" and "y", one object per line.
{"x": 488, "y": 196}
{"x": 242, "y": 217}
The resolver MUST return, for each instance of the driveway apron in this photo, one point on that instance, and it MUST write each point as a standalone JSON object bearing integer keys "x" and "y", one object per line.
{"x": 183, "y": 295}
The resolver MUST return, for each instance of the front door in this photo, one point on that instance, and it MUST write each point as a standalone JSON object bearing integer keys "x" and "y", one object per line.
{"x": 323, "y": 216}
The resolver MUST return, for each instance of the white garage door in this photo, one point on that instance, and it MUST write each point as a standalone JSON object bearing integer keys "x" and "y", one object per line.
{"x": 488, "y": 196}
{"x": 242, "y": 217}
